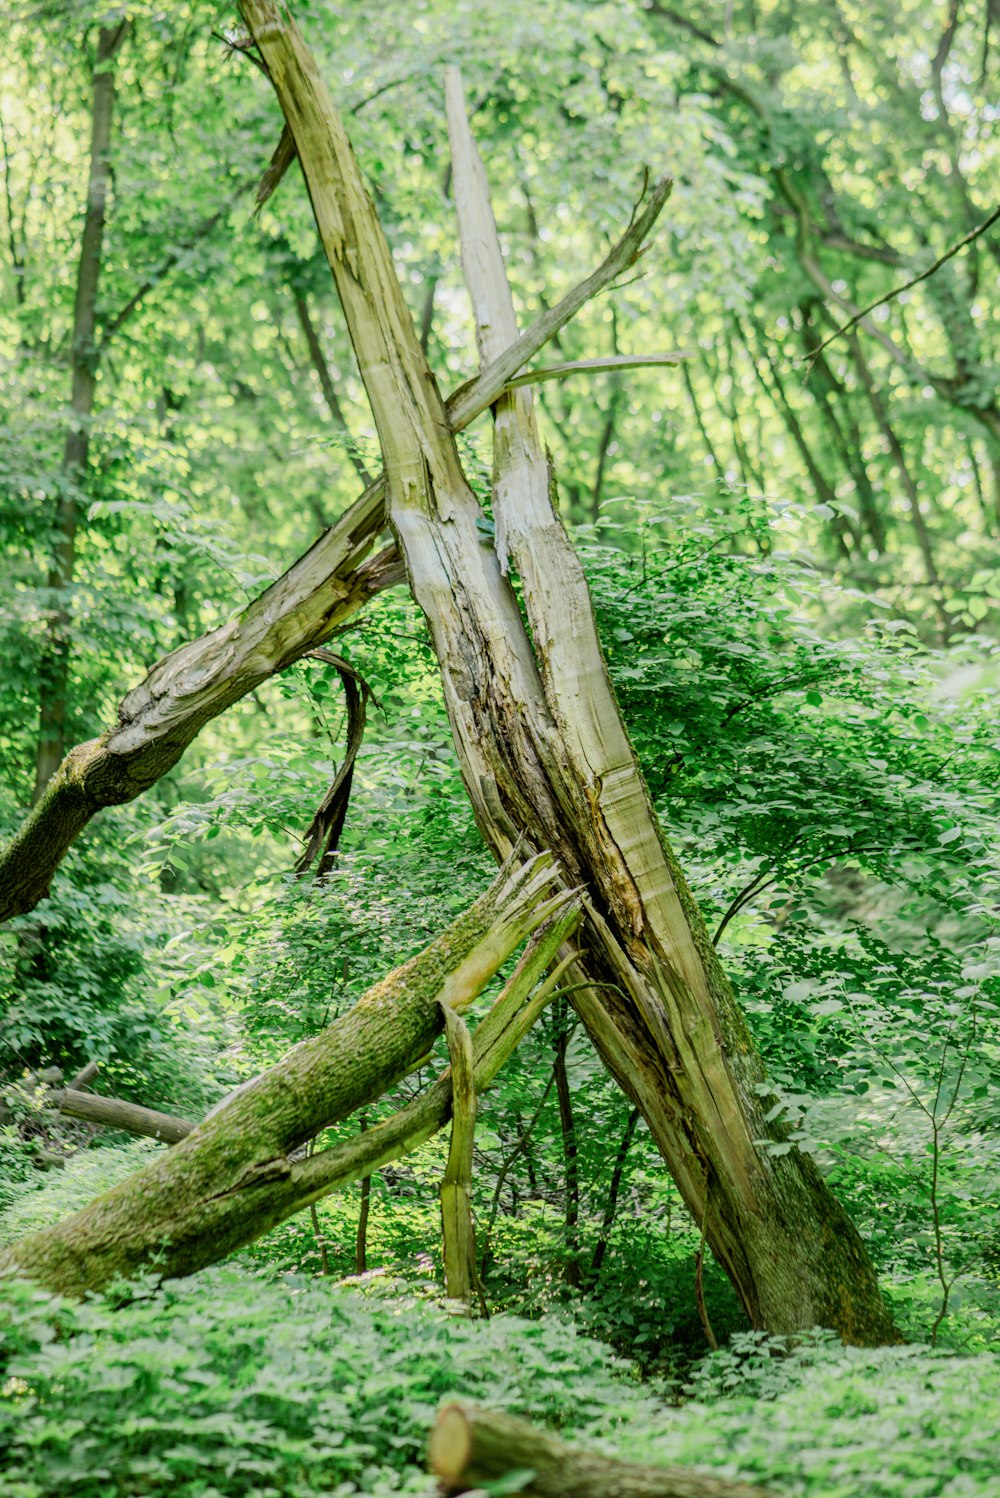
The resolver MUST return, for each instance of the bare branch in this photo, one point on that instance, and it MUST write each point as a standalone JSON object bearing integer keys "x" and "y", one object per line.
{"x": 594, "y": 366}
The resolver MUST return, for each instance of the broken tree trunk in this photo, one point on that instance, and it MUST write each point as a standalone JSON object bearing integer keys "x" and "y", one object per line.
{"x": 319, "y": 593}
{"x": 458, "y": 1235}
{"x": 544, "y": 754}
{"x": 470, "y": 1448}
{"x": 231, "y": 1178}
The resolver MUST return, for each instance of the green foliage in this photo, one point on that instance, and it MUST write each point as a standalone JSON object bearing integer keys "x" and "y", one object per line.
{"x": 810, "y": 681}
{"x": 292, "y": 1386}
{"x": 58, "y": 1193}
{"x": 298, "y": 1387}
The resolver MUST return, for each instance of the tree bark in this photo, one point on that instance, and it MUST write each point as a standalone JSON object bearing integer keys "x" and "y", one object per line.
{"x": 471, "y": 1447}
{"x": 364, "y": 1211}
{"x": 231, "y": 1178}
{"x": 571, "y": 1165}
{"x": 608, "y": 1221}
{"x": 544, "y": 754}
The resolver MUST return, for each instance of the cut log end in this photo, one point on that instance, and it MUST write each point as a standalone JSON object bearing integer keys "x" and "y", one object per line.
{"x": 450, "y": 1449}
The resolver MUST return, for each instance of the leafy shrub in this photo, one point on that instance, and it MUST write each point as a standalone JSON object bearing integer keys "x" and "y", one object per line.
{"x": 236, "y": 1382}
{"x": 233, "y": 1383}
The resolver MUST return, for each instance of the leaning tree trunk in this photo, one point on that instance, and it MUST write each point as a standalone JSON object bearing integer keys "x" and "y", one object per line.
{"x": 544, "y": 754}
{"x": 236, "y": 1175}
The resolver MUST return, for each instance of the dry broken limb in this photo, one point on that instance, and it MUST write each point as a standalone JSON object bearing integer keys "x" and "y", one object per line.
{"x": 319, "y": 594}
{"x": 543, "y": 751}
{"x": 234, "y": 1177}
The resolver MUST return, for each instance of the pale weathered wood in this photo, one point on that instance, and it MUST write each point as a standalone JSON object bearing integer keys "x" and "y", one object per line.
{"x": 458, "y": 1234}
{"x": 470, "y": 1447}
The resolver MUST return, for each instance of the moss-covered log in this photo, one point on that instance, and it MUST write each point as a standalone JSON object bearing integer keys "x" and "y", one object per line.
{"x": 231, "y": 1178}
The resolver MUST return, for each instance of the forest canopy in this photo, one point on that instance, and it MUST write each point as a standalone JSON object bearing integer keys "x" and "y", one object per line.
{"x": 499, "y": 814}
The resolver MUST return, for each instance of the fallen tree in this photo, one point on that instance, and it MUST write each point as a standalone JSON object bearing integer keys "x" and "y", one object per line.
{"x": 544, "y": 755}
{"x": 234, "y": 1176}
{"x": 471, "y": 1447}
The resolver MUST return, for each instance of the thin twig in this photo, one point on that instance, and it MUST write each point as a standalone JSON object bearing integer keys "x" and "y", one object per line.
{"x": 699, "y": 1293}
{"x": 972, "y": 235}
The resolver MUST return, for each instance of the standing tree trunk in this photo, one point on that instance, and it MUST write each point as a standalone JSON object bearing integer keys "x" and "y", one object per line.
{"x": 543, "y": 751}
{"x": 53, "y": 671}
{"x": 571, "y": 1163}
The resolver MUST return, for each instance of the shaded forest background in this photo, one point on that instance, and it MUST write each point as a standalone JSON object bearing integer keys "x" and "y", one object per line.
{"x": 792, "y": 546}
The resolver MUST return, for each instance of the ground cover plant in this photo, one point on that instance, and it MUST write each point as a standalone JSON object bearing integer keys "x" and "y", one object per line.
{"x": 499, "y": 798}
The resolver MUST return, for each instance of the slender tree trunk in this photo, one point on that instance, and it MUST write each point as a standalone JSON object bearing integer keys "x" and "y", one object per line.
{"x": 607, "y": 429}
{"x": 326, "y": 384}
{"x": 608, "y": 1221}
{"x": 364, "y": 1209}
{"x": 571, "y": 1164}
{"x": 53, "y": 668}
{"x": 832, "y": 395}
{"x": 824, "y": 493}
{"x": 917, "y": 517}
{"x": 720, "y": 471}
